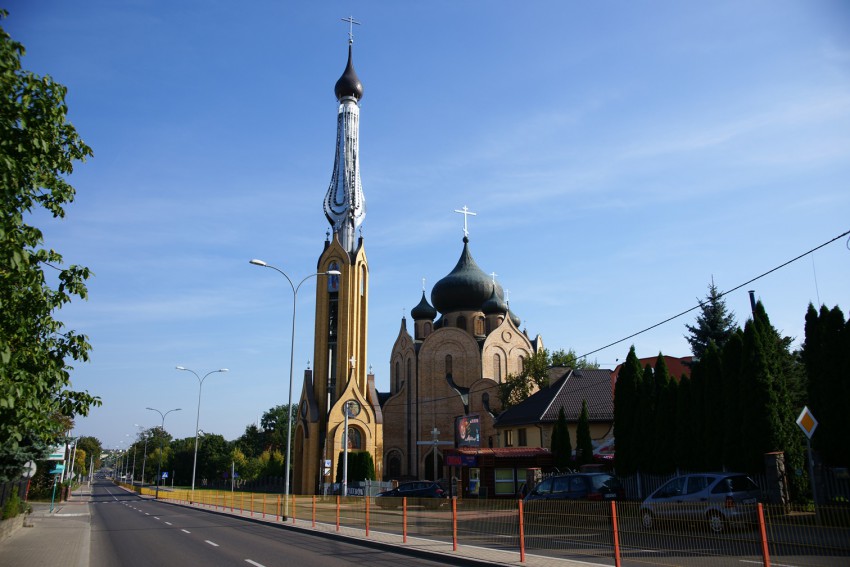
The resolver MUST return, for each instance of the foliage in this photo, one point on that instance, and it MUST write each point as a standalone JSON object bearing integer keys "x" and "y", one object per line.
{"x": 13, "y": 506}
{"x": 38, "y": 148}
{"x": 534, "y": 375}
{"x": 360, "y": 466}
{"x": 93, "y": 448}
{"x": 562, "y": 449}
{"x": 626, "y": 416}
{"x": 714, "y": 323}
{"x": 826, "y": 354}
{"x": 584, "y": 445}
{"x": 569, "y": 359}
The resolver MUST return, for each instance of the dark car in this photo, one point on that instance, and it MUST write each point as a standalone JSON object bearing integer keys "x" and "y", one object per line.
{"x": 577, "y": 486}
{"x": 716, "y": 499}
{"x": 418, "y": 493}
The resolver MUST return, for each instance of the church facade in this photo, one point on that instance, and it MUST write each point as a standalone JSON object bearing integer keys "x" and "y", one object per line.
{"x": 444, "y": 378}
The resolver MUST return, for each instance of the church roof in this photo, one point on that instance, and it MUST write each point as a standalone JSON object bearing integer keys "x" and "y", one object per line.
{"x": 423, "y": 310}
{"x": 567, "y": 389}
{"x": 495, "y": 305}
{"x": 349, "y": 83}
{"x": 465, "y": 288}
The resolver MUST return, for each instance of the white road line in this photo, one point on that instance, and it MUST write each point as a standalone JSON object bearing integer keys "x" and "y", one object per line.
{"x": 212, "y": 543}
{"x": 155, "y": 518}
{"x": 254, "y": 563}
{"x": 169, "y": 523}
{"x": 186, "y": 531}
{"x": 146, "y": 514}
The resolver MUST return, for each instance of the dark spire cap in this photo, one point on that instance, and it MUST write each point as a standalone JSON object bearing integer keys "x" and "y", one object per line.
{"x": 349, "y": 83}
{"x": 423, "y": 310}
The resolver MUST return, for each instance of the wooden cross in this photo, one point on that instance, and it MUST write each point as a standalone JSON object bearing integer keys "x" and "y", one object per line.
{"x": 466, "y": 213}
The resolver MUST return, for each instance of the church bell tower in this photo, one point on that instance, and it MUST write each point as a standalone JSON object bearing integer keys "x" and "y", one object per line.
{"x": 339, "y": 381}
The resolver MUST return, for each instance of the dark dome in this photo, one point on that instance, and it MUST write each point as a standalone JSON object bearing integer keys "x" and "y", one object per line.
{"x": 349, "y": 84}
{"x": 495, "y": 305}
{"x": 423, "y": 311}
{"x": 516, "y": 320}
{"x": 466, "y": 288}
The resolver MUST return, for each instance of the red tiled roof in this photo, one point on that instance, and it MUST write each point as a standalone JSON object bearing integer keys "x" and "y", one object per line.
{"x": 502, "y": 452}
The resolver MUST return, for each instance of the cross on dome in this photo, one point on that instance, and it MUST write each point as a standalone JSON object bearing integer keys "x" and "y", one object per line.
{"x": 351, "y": 22}
{"x": 466, "y": 214}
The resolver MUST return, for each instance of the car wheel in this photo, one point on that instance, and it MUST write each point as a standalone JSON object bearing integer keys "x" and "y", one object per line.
{"x": 716, "y": 522}
{"x": 647, "y": 519}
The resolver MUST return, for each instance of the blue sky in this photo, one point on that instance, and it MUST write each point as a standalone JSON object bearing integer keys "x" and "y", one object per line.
{"x": 618, "y": 156}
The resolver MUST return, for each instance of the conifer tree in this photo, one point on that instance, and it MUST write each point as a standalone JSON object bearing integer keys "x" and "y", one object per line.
{"x": 562, "y": 449}
{"x": 647, "y": 406}
{"x": 714, "y": 323}
{"x": 663, "y": 459}
{"x": 734, "y": 406}
{"x": 584, "y": 444}
{"x": 626, "y": 415}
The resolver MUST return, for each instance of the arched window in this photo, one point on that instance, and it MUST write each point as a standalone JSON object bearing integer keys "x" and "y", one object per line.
{"x": 448, "y": 364}
{"x": 461, "y": 322}
{"x": 393, "y": 465}
{"x": 355, "y": 438}
{"x": 521, "y": 362}
{"x": 427, "y": 329}
{"x": 479, "y": 325}
{"x": 397, "y": 377}
{"x": 497, "y": 368}
{"x": 362, "y": 280}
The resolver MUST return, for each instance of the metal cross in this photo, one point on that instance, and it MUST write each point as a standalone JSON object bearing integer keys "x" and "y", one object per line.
{"x": 351, "y": 21}
{"x": 494, "y": 274}
{"x": 466, "y": 213}
{"x": 423, "y": 285}
{"x": 352, "y": 360}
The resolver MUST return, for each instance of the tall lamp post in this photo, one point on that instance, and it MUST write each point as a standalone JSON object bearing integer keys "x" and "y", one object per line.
{"x": 295, "y": 289}
{"x": 162, "y": 434}
{"x": 198, "y": 418}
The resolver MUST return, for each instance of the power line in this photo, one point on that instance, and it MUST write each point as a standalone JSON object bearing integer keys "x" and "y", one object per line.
{"x": 736, "y": 288}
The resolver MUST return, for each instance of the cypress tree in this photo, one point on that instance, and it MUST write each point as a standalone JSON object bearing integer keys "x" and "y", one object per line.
{"x": 664, "y": 419}
{"x": 684, "y": 437}
{"x": 626, "y": 415}
{"x": 562, "y": 449}
{"x": 710, "y": 437}
{"x": 584, "y": 445}
{"x": 734, "y": 407}
{"x": 647, "y": 438}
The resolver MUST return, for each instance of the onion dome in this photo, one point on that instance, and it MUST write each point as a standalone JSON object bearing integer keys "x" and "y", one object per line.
{"x": 423, "y": 310}
{"x": 349, "y": 84}
{"x": 495, "y": 305}
{"x": 465, "y": 288}
{"x": 516, "y": 320}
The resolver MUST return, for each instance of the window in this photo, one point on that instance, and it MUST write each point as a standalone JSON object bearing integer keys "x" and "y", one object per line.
{"x": 522, "y": 437}
{"x": 505, "y": 482}
{"x": 509, "y": 438}
{"x": 355, "y": 439}
{"x": 497, "y": 368}
{"x": 461, "y": 322}
{"x": 479, "y": 326}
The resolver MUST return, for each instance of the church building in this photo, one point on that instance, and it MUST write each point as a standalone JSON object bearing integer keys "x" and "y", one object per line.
{"x": 338, "y": 383}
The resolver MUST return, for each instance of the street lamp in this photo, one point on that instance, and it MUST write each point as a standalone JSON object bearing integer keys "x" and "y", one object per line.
{"x": 295, "y": 289}
{"x": 162, "y": 434}
{"x": 198, "y": 418}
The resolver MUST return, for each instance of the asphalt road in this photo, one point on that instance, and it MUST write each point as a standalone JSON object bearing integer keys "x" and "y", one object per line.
{"x": 127, "y": 530}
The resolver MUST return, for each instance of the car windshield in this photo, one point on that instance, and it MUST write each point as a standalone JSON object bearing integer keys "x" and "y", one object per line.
{"x": 735, "y": 484}
{"x": 605, "y": 481}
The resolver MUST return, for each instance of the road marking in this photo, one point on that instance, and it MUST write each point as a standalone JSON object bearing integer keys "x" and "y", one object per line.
{"x": 187, "y": 531}
{"x": 212, "y": 543}
{"x": 772, "y": 563}
{"x": 146, "y": 514}
{"x": 169, "y": 523}
{"x": 155, "y": 518}
{"x": 254, "y": 563}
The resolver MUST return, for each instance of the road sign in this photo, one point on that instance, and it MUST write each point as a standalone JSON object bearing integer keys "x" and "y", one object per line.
{"x": 57, "y": 453}
{"x": 29, "y": 469}
{"x": 58, "y": 468}
{"x": 164, "y": 474}
{"x": 807, "y": 422}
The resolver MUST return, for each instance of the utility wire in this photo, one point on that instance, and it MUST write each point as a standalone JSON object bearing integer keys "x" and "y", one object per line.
{"x": 736, "y": 288}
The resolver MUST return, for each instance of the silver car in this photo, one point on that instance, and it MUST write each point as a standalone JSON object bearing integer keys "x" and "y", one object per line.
{"x": 716, "y": 498}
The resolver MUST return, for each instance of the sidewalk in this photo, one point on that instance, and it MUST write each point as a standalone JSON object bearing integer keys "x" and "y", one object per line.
{"x": 59, "y": 538}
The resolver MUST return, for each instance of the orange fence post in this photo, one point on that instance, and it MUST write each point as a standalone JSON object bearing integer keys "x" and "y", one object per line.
{"x": 521, "y": 533}
{"x": 366, "y": 500}
{"x": 454, "y": 524}
{"x": 616, "y": 528}
{"x": 314, "y": 510}
{"x": 765, "y": 553}
{"x": 404, "y": 519}
{"x": 337, "y": 513}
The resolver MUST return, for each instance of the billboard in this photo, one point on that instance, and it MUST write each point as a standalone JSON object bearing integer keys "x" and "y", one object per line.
{"x": 468, "y": 431}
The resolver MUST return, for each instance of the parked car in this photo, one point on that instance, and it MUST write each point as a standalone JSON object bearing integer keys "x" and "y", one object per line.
{"x": 577, "y": 486}
{"x": 719, "y": 499}
{"x": 418, "y": 493}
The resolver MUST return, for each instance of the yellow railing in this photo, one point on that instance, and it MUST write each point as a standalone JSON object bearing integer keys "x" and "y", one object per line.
{"x": 576, "y": 530}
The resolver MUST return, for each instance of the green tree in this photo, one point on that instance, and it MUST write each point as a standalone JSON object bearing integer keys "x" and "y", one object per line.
{"x": 663, "y": 458}
{"x": 584, "y": 444}
{"x": 626, "y": 401}
{"x": 534, "y": 375}
{"x": 714, "y": 323}
{"x": 826, "y": 355}
{"x": 93, "y": 448}
{"x": 38, "y": 148}
{"x": 274, "y": 423}
{"x": 562, "y": 448}
{"x": 569, "y": 359}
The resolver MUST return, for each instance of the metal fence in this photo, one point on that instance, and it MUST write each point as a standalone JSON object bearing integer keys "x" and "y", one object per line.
{"x": 610, "y": 533}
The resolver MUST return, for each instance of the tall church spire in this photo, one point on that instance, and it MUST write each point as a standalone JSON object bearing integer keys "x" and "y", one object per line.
{"x": 345, "y": 205}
